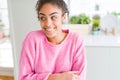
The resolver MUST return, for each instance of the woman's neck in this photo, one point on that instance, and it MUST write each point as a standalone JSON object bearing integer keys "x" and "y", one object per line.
{"x": 58, "y": 39}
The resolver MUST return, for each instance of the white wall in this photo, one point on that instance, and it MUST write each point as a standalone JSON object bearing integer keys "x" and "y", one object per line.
{"x": 103, "y": 63}
{"x": 23, "y": 18}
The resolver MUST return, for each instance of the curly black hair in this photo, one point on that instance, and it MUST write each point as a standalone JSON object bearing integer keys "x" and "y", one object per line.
{"x": 59, "y": 3}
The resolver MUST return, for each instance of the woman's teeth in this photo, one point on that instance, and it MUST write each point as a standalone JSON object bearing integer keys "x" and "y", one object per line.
{"x": 49, "y": 29}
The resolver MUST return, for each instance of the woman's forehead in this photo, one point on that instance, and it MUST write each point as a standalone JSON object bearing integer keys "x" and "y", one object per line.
{"x": 54, "y": 13}
{"x": 49, "y": 8}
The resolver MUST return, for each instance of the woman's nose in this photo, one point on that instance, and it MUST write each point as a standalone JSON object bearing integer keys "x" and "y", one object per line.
{"x": 48, "y": 22}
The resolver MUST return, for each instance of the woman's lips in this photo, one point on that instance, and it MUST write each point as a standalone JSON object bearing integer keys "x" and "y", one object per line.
{"x": 49, "y": 29}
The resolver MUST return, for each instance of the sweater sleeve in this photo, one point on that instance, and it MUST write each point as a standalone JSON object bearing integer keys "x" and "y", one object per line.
{"x": 27, "y": 60}
{"x": 79, "y": 63}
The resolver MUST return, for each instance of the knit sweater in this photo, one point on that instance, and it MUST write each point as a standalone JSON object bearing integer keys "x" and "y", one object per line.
{"x": 39, "y": 58}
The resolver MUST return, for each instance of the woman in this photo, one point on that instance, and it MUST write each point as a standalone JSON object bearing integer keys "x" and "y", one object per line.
{"x": 52, "y": 53}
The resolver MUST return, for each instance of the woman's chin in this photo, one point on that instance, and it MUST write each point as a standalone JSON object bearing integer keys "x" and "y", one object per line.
{"x": 50, "y": 35}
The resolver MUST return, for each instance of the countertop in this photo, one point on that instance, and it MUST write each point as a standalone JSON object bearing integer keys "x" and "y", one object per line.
{"x": 102, "y": 40}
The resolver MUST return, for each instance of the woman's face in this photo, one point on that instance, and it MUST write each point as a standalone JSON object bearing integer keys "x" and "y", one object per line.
{"x": 51, "y": 19}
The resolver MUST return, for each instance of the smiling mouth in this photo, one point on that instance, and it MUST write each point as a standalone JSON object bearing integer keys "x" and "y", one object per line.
{"x": 49, "y": 29}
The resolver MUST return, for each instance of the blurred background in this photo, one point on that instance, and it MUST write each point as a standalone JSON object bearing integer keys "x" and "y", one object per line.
{"x": 97, "y": 21}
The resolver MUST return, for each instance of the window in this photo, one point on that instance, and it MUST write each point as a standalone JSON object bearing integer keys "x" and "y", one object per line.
{"x": 6, "y": 58}
{"x": 88, "y": 6}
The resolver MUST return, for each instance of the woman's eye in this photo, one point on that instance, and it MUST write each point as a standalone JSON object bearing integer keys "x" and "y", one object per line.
{"x": 42, "y": 18}
{"x": 53, "y": 17}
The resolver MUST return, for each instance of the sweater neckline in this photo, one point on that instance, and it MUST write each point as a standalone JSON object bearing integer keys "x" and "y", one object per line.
{"x": 57, "y": 45}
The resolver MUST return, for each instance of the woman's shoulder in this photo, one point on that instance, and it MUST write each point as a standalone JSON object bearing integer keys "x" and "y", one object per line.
{"x": 35, "y": 33}
{"x": 76, "y": 36}
{"x": 32, "y": 35}
{"x": 77, "y": 39}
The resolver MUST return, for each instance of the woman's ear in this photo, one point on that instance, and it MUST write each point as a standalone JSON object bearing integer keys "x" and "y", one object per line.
{"x": 64, "y": 18}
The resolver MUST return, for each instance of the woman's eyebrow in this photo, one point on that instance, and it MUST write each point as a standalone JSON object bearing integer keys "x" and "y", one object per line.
{"x": 49, "y": 14}
{"x": 54, "y": 13}
{"x": 41, "y": 14}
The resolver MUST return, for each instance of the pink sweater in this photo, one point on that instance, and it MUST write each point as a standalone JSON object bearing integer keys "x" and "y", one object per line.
{"x": 39, "y": 58}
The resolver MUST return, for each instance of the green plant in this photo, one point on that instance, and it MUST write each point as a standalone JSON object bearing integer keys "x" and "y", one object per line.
{"x": 80, "y": 19}
{"x": 74, "y": 20}
{"x": 116, "y": 14}
{"x": 95, "y": 22}
{"x": 1, "y": 23}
